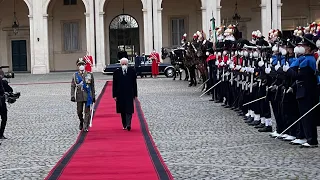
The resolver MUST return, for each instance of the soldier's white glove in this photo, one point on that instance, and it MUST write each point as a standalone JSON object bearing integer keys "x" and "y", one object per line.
{"x": 238, "y": 67}
{"x": 243, "y": 69}
{"x": 267, "y": 70}
{"x": 217, "y": 62}
{"x": 231, "y": 66}
{"x": 222, "y": 63}
{"x": 286, "y": 67}
{"x": 251, "y": 70}
{"x": 277, "y": 66}
{"x": 271, "y": 60}
{"x": 290, "y": 90}
{"x": 228, "y": 62}
{"x": 260, "y": 63}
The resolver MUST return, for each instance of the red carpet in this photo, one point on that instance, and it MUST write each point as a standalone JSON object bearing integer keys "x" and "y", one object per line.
{"x": 108, "y": 152}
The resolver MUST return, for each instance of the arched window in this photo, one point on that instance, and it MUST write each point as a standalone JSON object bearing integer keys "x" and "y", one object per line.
{"x": 124, "y": 37}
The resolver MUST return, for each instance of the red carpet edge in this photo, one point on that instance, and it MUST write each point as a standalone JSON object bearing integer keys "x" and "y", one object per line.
{"x": 160, "y": 168}
{"x": 59, "y": 167}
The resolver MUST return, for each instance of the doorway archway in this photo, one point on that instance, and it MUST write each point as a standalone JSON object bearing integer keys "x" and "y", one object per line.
{"x": 123, "y": 36}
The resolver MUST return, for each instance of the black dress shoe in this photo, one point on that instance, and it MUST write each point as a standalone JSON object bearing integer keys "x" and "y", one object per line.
{"x": 266, "y": 129}
{"x": 227, "y": 106}
{"x": 211, "y": 99}
{"x": 223, "y": 105}
{"x": 2, "y": 137}
{"x": 128, "y": 128}
{"x": 249, "y": 120}
{"x": 254, "y": 123}
{"x": 260, "y": 126}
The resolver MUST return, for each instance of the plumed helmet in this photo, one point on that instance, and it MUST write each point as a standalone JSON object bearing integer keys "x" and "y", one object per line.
{"x": 80, "y": 61}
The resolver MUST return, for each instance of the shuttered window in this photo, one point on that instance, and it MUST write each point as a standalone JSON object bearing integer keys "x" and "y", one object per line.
{"x": 71, "y": 36}
{"x": 177, "y": 30}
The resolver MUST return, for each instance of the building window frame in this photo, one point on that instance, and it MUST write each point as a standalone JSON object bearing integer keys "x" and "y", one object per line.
{"x": 186, "y": 27}
{"x": 69, "y": 2}
{"x": 63, "y": 44}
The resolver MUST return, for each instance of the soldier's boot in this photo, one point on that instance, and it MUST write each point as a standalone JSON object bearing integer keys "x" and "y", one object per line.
{"x": 266, "y": 129}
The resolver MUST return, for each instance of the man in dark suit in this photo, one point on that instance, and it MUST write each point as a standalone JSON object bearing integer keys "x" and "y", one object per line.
{"x": 124, "y": 92}
{"x": 137, "y": 64}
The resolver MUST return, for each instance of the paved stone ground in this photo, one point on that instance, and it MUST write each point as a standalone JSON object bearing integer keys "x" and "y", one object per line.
{"x": 197, "y": 138}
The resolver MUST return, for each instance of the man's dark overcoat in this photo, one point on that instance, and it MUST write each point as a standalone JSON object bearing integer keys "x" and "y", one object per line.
{"x": 124, "y": 88}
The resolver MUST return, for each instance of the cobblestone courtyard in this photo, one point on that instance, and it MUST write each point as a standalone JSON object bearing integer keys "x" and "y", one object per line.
{"x": 197, "y": 139}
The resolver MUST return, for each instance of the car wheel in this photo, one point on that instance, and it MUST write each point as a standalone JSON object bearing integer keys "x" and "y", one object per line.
{"x": 169, "y": 72}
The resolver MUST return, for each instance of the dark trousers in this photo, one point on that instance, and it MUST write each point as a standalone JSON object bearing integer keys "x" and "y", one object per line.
{"x": 290, "y": 113}
{"x": 4, "y": 116}
{"x": 138, "y": 71}
{"x": 309, "y": 121}
{"x": 193, "y": 79}
{"x": 82, "y": 108}
{"x": 126, "y": 119}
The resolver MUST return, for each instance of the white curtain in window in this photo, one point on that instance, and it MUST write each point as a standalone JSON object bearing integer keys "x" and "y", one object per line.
{"x": 71, "y": 36}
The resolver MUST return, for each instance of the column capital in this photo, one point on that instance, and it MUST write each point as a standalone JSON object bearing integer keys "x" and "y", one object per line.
{"x": 30, "y": 16}
{"x": 87, "y": 14}
{"x": 203, "y": 8}
{"x": 101, "y": 13}
{"x": 280, "y": 4}
{"x": 160, "y": 9}
{"x": 144, "y": 10}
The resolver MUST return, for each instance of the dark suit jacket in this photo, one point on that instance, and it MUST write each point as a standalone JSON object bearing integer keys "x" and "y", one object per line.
{"x": 124, "y": 88}
{"x": 137, "y": 61}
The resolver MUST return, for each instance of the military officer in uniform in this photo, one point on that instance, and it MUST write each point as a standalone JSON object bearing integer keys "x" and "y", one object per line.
{"x": 83, "y": 92}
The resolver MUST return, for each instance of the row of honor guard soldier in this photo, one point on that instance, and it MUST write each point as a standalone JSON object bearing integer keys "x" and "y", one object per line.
{"x": 247, "y": 75}
{"x": 83, "y": 93}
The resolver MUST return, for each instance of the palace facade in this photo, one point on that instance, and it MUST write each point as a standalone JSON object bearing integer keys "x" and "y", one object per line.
{"x": 50, "y": 35}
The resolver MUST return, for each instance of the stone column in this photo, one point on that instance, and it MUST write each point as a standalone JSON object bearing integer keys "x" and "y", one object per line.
{"x": 266, "y": 17}
{"x": 204, "y": 20}
{"x": 159, "y": 28}
{"x": 50, "y": 41}
{"x": 276, "y": 14}
{"x": 88, "y": 37}
{"x": 39, "y": 41}
{"x": 146, "y": 28}
{"x": 46, "y": 42}
{"x": 31, "y": 42}
{"x": 100, "y": 42}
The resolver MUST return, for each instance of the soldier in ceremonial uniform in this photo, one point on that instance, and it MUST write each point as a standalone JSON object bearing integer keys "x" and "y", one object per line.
{"x": 83, "y": 93}
{"x": 155, "y": 57}
{"x": 89, "y": 62}
{"x": 304, "y": 71}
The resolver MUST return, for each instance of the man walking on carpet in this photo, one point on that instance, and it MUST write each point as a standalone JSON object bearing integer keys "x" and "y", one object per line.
{"x": 83, "y": 92}
{"x": 124, "y": 92}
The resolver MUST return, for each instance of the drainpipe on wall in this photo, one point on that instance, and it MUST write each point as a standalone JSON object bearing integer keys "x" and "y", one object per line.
{"x": 152, "y": 24}
{"x": 94, "y": 32}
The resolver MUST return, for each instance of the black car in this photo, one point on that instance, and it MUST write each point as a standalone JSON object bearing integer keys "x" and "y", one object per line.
{"x": 164, "y": 68}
